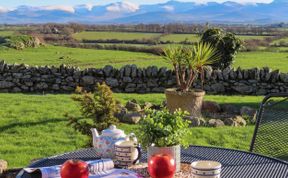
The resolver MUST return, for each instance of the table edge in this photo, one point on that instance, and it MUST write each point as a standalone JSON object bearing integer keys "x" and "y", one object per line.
{"x": 247, "y": 152}
{"x": 214, "y": 147}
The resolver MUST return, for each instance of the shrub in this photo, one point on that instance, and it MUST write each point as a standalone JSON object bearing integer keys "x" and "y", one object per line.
{"x": 22, "y": 41}
{"x": 98, "y": 107}
{"x": 163, "y": 128}
{"x": 226, "y": 43}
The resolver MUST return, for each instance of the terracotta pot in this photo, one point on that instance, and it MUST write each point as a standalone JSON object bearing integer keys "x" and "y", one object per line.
{"x": 172, "y": 151}
{"x": 190, "y": 101}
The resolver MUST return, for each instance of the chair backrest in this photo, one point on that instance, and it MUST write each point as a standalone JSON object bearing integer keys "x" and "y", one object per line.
{"x": 271, "y": 131}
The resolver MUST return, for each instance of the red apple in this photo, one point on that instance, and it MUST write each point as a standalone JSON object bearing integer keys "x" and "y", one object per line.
{"x": 74, "y": 169}
{"x": 161, "y": 166}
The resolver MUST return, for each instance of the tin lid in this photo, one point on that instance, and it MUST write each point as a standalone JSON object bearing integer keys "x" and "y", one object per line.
{"x": 206, "y": 165}
{"x": 126, "y": 143}
{"x": 112, "y": 131}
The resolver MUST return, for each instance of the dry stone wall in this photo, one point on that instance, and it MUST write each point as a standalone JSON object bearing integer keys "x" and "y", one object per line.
{"x": 131, "y": 79}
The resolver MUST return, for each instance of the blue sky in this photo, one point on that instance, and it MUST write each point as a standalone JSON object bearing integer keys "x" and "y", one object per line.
{"x": 15, "y": 3}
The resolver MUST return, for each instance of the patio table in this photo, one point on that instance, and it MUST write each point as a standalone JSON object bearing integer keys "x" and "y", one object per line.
{"x": 235, "y": 163}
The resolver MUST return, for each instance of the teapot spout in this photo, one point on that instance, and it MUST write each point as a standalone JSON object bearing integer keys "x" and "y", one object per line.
{"x": 95, "y": 135}
{"x": 94, "y": 132}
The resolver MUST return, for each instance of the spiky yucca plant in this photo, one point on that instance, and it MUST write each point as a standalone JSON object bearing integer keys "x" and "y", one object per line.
{"x": 194, "y": 59}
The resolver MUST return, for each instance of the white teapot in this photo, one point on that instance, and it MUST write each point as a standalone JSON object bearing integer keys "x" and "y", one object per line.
{"x": 105, "y": 143}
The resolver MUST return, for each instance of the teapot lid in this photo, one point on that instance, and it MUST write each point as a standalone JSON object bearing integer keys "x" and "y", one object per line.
{"x": 112, "y": 131}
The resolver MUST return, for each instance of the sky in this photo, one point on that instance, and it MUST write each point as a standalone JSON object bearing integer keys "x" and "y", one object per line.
{"x": 15, "y": 3}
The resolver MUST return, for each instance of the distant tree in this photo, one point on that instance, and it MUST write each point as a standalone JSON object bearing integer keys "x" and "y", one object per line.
{"x": 225, "y": 42}
{"x": 77, "y": 27}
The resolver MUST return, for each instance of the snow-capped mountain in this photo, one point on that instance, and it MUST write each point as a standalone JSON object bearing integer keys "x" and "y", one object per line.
{"x": 172, "y": 11}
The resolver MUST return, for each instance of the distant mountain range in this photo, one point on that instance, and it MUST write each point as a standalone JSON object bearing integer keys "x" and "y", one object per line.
{"x": 170, "y": 12}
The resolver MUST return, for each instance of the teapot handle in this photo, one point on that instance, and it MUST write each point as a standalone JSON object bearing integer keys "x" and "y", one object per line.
{"x": 133, "y": 136}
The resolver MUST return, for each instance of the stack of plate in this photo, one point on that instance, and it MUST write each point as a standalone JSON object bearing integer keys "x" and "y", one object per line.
{"x": 206, "y": 169}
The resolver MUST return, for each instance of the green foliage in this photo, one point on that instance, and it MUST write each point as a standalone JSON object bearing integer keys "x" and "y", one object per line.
{"x": 22, "y": 41}
{"x": 194, "y": 59}
{"x": 99, "y": 107}
{"x": 226, "y": 43}
{"x": 163, "y": 128}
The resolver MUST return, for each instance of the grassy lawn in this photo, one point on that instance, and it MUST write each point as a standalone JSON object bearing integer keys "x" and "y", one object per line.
{"x": 180, "y": 37}
{"x": 250, "y": 37}
{"x": 113, "y": 35}
{"x": 132, "y": 36}
{"x": 282, "y": 49}
{"x": 274, "y": 60}
{"x": 33, "y": 126}
{"x": 194, "y": 37}
{"x": 56, "y": 55}
{"x": 252, "y": 101}
{"x": 6, "y": 33}
{"x": 282, "y": 40}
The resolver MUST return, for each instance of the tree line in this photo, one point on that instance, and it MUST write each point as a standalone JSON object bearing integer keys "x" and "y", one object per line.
{"x": 67, "y": 29}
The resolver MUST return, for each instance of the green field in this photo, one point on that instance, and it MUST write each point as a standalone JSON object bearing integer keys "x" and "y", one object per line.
{"x": 180, "y": 37}
{"x": 34, "y": 126}
{"x": 6, "y": 33}
{"x": 282, "y": 49}
{"x": 113, "y": 35}
{"x": 274, "y": 60}
{"x": 88, "y": 35}
{"x": 250, "y": 37}
{"x": 273, "y": 49}
{"x": 53, "y": 55}
{"x": 282, "y": 40}
{"x": 194, "y": 38}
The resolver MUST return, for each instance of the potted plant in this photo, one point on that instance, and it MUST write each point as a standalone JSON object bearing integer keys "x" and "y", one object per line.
{"x": 162, "y": 132}
{"x": 188, "y": 64}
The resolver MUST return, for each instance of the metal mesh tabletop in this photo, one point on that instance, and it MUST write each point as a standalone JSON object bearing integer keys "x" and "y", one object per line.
{"x": 234, "y": 163}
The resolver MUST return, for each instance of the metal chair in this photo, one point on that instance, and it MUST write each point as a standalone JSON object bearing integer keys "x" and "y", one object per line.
{"x": 271, "y": 131}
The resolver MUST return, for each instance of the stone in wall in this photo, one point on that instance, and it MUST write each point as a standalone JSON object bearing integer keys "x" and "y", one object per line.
{"x": 130, "y": 78}
{"x": 4, "y": 84}
{"x": 244, "y": 89}
{"x": 284, "y": 77}
{"x": 88, "y": 80}
{"x": 218, "y": 88}
{"x": 112, "y": 82}
{"x": 107, "y": 70}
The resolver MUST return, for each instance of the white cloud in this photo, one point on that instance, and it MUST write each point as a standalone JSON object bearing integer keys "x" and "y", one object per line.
{"x": 238, "y": 1}
{"x": 3, "y": 10}
{"x": 196, "y": 1}
{"x": 168, "y": 8}
{"x": 123, "y": 7}
{"x": 58, "y": 7}
{"x": 89, "y": 6}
